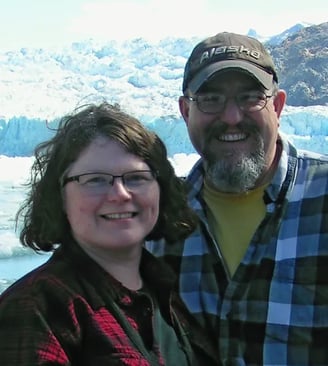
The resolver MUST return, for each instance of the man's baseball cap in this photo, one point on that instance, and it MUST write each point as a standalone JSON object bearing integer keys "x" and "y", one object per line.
{"x": 228, "y": 51}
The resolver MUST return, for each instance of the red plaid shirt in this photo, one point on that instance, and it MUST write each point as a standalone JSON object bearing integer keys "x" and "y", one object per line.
{"x": 71, "y": 312}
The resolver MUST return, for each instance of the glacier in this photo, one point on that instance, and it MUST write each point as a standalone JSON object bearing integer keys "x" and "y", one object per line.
{"x": 307, "y": 127}
{"x": 38, "y": 86}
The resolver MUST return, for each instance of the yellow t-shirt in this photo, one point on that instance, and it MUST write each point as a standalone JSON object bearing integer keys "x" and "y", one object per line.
{"x": 233, "y": 219}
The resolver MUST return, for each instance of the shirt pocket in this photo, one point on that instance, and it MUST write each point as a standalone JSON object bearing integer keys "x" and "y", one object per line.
{"x": 298, "y": 301}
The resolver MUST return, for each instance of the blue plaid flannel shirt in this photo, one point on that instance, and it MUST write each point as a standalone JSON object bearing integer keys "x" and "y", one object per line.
{"x": 274, "y": 310}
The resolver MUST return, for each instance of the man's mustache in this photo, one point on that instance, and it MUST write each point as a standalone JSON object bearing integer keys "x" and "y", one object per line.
{"x": 217, "y": 128}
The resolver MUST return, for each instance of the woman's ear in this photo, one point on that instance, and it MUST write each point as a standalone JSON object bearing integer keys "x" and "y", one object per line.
{"x": 63, "y": 197}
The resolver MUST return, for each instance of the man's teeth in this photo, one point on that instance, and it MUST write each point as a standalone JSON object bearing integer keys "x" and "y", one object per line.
{"x": 232, "y": 137}
{"x": 119, "y": 215}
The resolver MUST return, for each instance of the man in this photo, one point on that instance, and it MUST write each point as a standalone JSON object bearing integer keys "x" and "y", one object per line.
{"x": 255, "y": 274}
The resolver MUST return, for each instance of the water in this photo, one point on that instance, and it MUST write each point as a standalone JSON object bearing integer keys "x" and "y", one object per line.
{"x": 15, "y": 260}
{"x": 12, "y": 268}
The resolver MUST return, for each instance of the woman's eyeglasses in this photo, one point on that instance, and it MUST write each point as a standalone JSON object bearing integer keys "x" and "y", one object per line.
{"x": 98, "y": 183}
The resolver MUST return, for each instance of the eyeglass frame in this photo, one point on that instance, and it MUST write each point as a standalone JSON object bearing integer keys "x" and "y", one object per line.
{"x": 75, "y": 178}
{"x": 196, "y": 99}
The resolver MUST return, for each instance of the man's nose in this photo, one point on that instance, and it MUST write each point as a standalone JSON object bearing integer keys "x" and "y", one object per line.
{"x": 231, "y": 113}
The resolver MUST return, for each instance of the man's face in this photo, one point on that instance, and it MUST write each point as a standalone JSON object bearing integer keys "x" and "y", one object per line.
{"x": 238, "y": 146}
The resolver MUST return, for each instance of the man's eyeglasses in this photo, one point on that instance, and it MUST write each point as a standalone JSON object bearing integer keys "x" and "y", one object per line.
{"x": 248, "y": 101}
{"x": 98, "y": 183}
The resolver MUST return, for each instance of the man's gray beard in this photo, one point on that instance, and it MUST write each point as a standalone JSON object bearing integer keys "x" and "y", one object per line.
{"x": 237, "y": 176}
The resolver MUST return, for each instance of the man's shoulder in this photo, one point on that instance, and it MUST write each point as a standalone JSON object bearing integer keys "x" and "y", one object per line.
{"x": 313, "y": 156}
{"x": 313, "y": 164}
{"x": 307, "y": 160}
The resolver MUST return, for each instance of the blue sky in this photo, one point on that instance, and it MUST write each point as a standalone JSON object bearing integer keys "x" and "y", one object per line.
{"x": 47, "y": 23}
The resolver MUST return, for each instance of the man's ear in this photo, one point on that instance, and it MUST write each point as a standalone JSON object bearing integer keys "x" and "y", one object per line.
{"x": 184, "y": 108}
{"x": 279, "y": 101}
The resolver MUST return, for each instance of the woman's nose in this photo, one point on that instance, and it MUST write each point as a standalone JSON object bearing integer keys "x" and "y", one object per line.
{"x": 118, "y": 190}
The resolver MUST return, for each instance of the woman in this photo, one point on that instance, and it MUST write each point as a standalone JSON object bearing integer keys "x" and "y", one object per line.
{"x": 99, "y": 188}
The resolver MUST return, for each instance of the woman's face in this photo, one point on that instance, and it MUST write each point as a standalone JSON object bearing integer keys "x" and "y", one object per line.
{"x": 109, "y": 217}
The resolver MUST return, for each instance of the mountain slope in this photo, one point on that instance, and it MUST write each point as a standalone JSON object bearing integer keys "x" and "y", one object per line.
{"x": 302, "y": 65}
